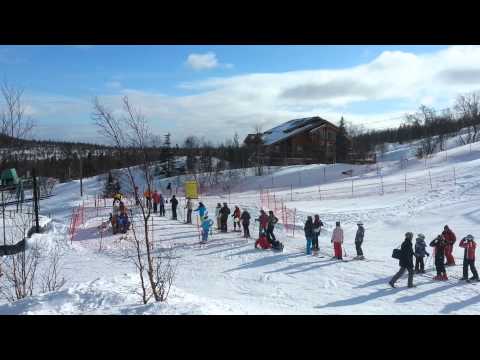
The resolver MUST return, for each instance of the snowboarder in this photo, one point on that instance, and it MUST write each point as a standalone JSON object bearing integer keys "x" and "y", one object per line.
{"x": 224, "y": 212}
{"x": 420, "y": 253}
{"x": 201, "y": 211}
{"x": 206, "y": 224}
{"x": 156, "y": 201}
{"x": 272, "y": 220}
{"x": 469, "y": 257}
{"x": 174, "y": 203}
{"x": 245, "y": 217}
{"x": 262, "y": 223}
{"x": 218, "y": 217}
{"x": 337, "y": 240}
{"x": 450, "y": 238}
{"x": 236, "y": 218}
{"x": 405, "y": 261}
{"x": 309, "y": 234}
{"x": 439, "y": 243}
{"x": 317, "y": 226}
{"x": 359, "y": 240}
{"x": 189, "y": 207}
{"x": 162, "y": 205}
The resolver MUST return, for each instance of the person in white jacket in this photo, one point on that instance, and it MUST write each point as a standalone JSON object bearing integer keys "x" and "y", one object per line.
{"x": 337, "y": 240}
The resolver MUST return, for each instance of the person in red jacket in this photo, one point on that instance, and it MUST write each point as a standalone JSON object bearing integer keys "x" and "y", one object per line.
{"x": 469, "y": 257}
{"x": 263, "y": 221}
{"x": 450, "y": 238}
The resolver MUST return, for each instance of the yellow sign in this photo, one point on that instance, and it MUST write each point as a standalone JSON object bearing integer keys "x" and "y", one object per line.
{"x": 191, "y": 189}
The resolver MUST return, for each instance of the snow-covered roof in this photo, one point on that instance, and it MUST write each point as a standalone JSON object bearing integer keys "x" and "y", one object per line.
{"x": 291, "y": 128}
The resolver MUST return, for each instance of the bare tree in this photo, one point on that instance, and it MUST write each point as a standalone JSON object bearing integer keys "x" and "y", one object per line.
{"x": 131, "y": 130}
{"x": 468, "y": 106}
{"x": 14, "y": 121}
{"x": 52, "y": 280}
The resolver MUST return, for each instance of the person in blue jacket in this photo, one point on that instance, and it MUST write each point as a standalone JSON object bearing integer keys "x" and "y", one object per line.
{"x": 201, "y": 210}
{"x": 206, "y": 225}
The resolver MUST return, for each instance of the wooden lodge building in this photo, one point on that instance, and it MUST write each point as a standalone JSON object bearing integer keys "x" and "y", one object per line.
{"x": 299, "y": 141}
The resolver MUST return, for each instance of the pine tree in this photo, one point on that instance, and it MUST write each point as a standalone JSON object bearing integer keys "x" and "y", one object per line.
{"x": 342, "y": 142}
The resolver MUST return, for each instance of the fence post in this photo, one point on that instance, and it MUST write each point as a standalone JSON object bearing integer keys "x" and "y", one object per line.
{"x": 352, "y": 187}
{"x": 320, "y": 192}
{"x": 430, "y": 176}
{"x": 405, "y": 182}
{"x": 324, "y": 174}
{"x": 454, "y": 177}
{"x": 294, "y": 221}
{"x": 291, "y": 192}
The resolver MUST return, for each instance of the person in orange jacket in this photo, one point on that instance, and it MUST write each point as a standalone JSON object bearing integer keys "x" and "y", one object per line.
{"x": 469, "y": 257}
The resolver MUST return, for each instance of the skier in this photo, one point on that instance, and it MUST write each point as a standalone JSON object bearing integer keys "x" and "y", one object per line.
{"x": 337, "y": 240}
{"x": 420, "y": 252}
{"x": 148, "y": 202}
{"x": 245, "y": 217}
{"x": 317, "y": 226}
{"x": 469, "y": 257}
{"x": 169, "y": 187}
{"x": 218, "y": 217}
{"x": 359, "y": 240}
{"x": 405, "y": 261}
{"x": 263, "y": 223}
{"x": 206, "y": 224}
{"x": 189, "y": 207}
{"x": 236, "y": 218}
{"x": 309, "y": 234}
{"x": 156, "y": 201}
{"x": 450, "y": 238}
{"x": 117, "y": 197}
{"x": 201, "y": 211}
{"x": 224, "y": 212}
{"x": 174, "y": 203}
{"x": 161, "y": 200}
{"x": 439, "y": 243}
{"x": 272, "y": 220}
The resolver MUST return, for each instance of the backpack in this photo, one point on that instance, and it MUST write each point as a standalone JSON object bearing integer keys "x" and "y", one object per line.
{"x": 397, "y": 254}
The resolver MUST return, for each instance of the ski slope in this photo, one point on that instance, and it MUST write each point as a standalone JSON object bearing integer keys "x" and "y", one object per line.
{"x": 228, "y": 276}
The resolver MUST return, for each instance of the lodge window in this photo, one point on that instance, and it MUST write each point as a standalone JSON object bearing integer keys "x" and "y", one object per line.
{"x": 299, "y": 148}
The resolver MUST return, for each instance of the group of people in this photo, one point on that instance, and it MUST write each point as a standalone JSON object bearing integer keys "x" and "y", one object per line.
{"x": 157, "y": 200}
{"x": 312, "y": 231}
{"x": 119, "y": 217}
{"x": 443, "y": 248}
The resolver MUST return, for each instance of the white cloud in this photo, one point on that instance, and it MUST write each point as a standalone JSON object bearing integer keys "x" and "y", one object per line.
{"x": 218, "y": 107}
{"x": 205, "y": 61}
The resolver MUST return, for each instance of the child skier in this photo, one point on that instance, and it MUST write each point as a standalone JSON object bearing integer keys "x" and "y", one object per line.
{"x": 309, "y": 234}
{"x": 469, "y": 257}
{"x": 245, "y": 217}
{"x": 236, "y": 218}
{"x": 201, "y": 211}
{"x": 317, "y": 226}
{"x": 439, "y": 243}
{"x": 337, "y": 240}
{"x": 359, "y": 240}
{"x": 420, "y": 252}
{"x": 217, "y": 216}
{"x": 272, "y": 220}
{"x": 262, "y": 241}
{"x": 206, "y": 224}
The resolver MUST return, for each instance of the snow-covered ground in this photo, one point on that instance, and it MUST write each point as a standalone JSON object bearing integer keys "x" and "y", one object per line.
{"x": 228, "y": 276}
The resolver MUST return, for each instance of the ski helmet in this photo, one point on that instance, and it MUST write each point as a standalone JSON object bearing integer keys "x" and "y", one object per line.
{"x": 469, "y": 237}
{"x": 421, "y": 236}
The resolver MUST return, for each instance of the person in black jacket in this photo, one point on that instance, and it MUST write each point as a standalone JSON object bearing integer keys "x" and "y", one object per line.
{"x": 224, "y": 212}
{"x": 440, "y": 243}
{"x": 272, "y": 220}
{"x": 174, "y": 203}
{"x": 245, "y": 218}
{"x": 309, "y": 234}
{"x": 405, "y": 262}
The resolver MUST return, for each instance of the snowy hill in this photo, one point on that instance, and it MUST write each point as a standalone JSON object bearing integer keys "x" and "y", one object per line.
{"x": 228, "y": 276}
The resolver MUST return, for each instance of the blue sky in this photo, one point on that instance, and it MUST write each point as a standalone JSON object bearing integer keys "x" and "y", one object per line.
{"x": 213, "y": 91}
